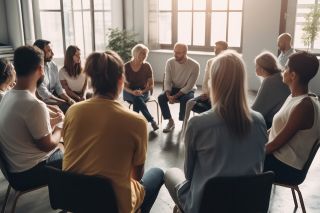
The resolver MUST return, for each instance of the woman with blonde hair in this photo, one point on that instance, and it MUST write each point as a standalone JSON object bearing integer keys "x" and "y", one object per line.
{"x": 272, "y": 92}
{"x": 71, "y": 75}
{"x": 227, "y": 140}
{"x": 139, "y": 82}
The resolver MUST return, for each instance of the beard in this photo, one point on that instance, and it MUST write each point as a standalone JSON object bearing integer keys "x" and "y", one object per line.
{"x": 40, "y": 80}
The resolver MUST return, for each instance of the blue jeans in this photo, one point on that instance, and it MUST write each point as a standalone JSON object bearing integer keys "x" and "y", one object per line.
{"x": 139, "y": 104}
{"x": 152, "y": 181}
{"x": 163, "y": 102}
{"x": 36, "y": 176}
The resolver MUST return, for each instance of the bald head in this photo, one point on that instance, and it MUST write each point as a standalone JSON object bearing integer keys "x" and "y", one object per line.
{"x": 180, "y": 52}
{"x": 284, "y": 42}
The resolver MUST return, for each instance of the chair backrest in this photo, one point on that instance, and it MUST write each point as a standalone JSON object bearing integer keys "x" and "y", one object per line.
{"x": 237, "y": 194}
{"x": 3, "y": 166}
{"x": 80, "y": 193}
{"x": 312, "y": 154}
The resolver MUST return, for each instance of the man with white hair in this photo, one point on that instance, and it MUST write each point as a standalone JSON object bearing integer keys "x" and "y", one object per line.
{"x": 181, "y": 75}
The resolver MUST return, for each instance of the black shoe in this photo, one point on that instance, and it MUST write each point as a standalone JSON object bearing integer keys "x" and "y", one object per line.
{"x": 154, "y": 125}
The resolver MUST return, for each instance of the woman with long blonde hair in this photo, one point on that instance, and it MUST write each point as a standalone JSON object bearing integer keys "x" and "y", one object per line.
{"x": 227, "y": 140}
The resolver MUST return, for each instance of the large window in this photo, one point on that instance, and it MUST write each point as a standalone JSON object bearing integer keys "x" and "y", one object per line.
{"x": 81, "y": 22}
{"x": 200, "y": 23}
{"x": 303, "y": 8}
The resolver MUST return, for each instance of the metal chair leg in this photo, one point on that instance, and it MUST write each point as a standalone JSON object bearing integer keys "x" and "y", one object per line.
{"x": 16, "y": 197}
{"x": 301, "y": 199}
{"x": 294, "y": 198}
{"x": 6, "y": 199}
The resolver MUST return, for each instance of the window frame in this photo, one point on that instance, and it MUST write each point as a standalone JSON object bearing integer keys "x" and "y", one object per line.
{"x": 207, "y": 47}
{"x": 62, "y": 11}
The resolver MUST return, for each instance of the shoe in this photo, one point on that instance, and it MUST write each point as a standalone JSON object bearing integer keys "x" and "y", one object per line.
{"x": 169, "y": 127}
{"x": 154, "y": 125}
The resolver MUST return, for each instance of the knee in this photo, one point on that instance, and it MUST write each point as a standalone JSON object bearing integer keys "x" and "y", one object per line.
{"x": 170, "y": 175}
{"x": 162, "y": 97}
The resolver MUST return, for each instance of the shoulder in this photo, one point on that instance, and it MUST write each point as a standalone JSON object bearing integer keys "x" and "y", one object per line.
{"x": 203, "y": 120}
{"x": 257, "y": 117}
{"x": 193, "y": 62}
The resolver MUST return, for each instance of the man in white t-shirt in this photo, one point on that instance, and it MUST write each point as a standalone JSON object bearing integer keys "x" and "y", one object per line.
{"x": 29, "y": 140}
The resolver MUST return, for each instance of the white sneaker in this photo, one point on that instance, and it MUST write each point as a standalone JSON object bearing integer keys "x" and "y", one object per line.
{"x": 169, "y": 127}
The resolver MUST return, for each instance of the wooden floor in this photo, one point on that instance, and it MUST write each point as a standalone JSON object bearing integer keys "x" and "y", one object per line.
{"x": 166, "y": 151}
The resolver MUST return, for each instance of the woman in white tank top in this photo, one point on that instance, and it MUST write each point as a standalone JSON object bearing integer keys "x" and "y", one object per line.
{"x": 295, "y": 128}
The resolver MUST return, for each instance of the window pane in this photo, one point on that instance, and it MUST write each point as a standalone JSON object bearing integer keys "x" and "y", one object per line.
{"x": 49, "y": 4}
{"x": 165, "y": 5}
{"x": 234, "y": 33}
{"x": 218, "y": 27}
{"x": 67, "y": 5}
{"x": 298, "y": 42}
{"x": 235, "y": 4}
{"x": 54, "y": 32}
{"x": 219, "y": 4}
{"x": 98, "y": 4}
{"x": 87, "y": 32}
{"x": 199, "y": 4}
{"x": 165, "y": 27}
{"x": 86, "y": 4}
{"x": 199, "y": 28}
{"x": 76, "y": 4}
{"x": 78, "y": 34}
{"x": 185, "y": 5}
{"x": 107, "y": 4}
{"x": 99, "y": 31}
{"x": 306, "y": 1}
{"x": 184, "y": 30}
{"x": 68, "y": 27}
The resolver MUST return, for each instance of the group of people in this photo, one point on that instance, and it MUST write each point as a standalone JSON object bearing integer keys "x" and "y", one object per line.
{"x": 103, "y": 137}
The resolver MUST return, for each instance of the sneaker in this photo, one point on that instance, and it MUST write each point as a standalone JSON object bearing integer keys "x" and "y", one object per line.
{"x": 154, "y": 125}
{"x": 169, "y": 127}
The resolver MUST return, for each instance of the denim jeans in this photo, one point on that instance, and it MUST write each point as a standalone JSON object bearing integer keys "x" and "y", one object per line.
{"x": 152, "y": 181}
{"x": 139, "y": 104}
{"x": 163, "y": 102}
{"x": 36, "y": 176}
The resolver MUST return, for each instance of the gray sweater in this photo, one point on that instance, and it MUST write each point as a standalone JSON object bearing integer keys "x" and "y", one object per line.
{"x": 270, "y": 97}
{"x": 182, "y": 76}
{"x": 212, "y": 151}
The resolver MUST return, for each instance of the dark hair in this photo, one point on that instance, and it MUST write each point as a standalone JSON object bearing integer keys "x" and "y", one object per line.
{"x": 26, "y": 60}
{"x": 6, "y": 70}
{"x": 223, "y": 44}
{"x": 104, "y": 69}
{"x": 72, "y": 69}
{"x": 41, "y": 43}
{"x": 305, "y": 65}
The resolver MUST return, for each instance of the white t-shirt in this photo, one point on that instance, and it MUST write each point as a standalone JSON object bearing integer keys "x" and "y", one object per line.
{"x": 74, "y": 83}
{"x": 23, "y": 119}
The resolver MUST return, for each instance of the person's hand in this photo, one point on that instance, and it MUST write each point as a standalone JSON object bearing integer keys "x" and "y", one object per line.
{"x": 55, "y": 118}
{"x": 71, "y": 101}
{"x": 137, "y": 92}
{"x": 171, "y": 99}
{"x": 204, "y": 97}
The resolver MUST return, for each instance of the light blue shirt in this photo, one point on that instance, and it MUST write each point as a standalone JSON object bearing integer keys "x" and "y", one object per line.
{"x": 284, "y": 56}
{"x": 51, "y": 82}
{"x": 212, "y": 151}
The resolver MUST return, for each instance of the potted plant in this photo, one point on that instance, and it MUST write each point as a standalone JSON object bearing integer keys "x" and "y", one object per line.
{"x": 121, "y": 41}
{"x": 311, "y": 26}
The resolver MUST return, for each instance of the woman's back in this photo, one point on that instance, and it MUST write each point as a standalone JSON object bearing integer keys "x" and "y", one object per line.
{"x": 212, "y": 150}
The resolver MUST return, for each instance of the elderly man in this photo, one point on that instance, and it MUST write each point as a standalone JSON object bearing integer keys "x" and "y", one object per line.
{"x": 284, "y": 45}
{"x": 51, "y": 91}
{"x": 181, "y": 75}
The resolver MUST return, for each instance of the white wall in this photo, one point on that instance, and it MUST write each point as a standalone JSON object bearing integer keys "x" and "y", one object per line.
{"x": 3, "y": 24}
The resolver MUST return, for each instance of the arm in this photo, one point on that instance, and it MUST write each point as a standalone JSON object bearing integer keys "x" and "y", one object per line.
{"x": 190, "y": 153}
{"x": 50, "y": 141}
{"x": 301, "y": 117}
{"x": 192, "y": 79}
{"x": 137, "y": 172}
{"x": 150, "y": 81}
{"x": 207, "y": 72}
{"x": 84, "y": 89}
{"x": 167, "y": 78}
{"x": 69, "y": 92}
